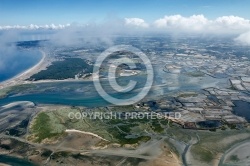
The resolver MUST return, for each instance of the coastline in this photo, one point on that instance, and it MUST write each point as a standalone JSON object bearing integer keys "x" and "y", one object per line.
{"x": 20, "y": 78}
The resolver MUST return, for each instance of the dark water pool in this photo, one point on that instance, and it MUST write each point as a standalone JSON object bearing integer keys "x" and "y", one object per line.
{"x": 209, "y": 124}
{"x": 14, "y": 161}
{"x": 242, "y": 108}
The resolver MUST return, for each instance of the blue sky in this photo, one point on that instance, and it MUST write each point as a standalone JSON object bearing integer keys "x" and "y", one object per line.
{"x": 25, "y": 12}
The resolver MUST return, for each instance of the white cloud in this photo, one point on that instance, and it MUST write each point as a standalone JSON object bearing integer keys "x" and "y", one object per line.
{"x": 195, "y": 22}
{"x": 172, "y": 23}
{"x": 138, "y": 22}
{"x": 232, "y": 21}
{"x": 34, "y": 27}
{"x": 243, "y": 38}
{"x": 200, "y": 24}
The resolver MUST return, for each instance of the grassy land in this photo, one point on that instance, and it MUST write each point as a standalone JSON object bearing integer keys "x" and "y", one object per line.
{"x": 182, "y": 135}
{"x": 50, "y": 124}
{"x": 121, "y": 137}
{"x": 213, "y": 143}
{"x": 42, "y": 128}
{"x": 205, "y": 147}
{"x": 203, "y": 153}
{"x": 156, "y": 126}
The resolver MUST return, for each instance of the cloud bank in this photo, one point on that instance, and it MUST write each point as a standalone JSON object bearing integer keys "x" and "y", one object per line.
{"x": 200, "y": 24}
{"x": 194, "y": 23}
{"x": 136, "y": 22}
{"x": 35, "y": 27}
{"x": 244, "y": 38}
{"x": 173, "y": 24}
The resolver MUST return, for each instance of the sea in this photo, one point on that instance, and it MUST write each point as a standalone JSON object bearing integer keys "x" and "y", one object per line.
{"x": 17, "y": 62}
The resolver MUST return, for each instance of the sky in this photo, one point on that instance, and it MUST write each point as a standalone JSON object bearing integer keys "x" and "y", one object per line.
{"x": 69, "y": 22}
{"x": 65, "y": 20}
{"x": 41, "y": 12}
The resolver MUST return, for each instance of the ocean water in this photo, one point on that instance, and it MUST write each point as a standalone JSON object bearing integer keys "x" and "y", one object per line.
{"x": 17, "y": 62}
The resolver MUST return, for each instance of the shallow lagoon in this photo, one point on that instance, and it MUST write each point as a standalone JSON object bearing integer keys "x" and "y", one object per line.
{"x": 83, "y": 93}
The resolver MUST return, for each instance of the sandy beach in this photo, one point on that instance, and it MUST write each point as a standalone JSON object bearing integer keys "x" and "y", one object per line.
{"x": 20, "y": 78}
{"x": 84, "y": 132}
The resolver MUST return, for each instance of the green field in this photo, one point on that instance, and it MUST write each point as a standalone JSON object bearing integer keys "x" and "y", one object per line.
{"x": 43, "y": 128}
{"x": 53, "y": 123}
